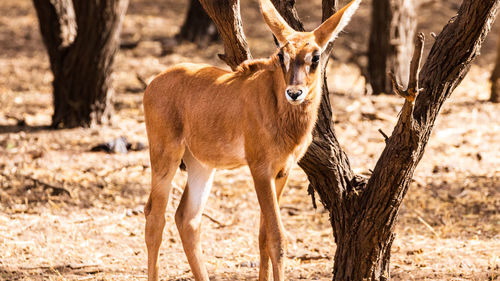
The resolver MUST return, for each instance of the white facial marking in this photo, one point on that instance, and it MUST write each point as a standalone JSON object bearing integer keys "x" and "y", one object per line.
{"x": 308, "y": 58}
{"x": 286, "y": 60}
{"x": 308, "y": 61}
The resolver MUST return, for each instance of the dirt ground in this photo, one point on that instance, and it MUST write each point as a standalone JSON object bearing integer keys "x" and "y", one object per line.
{"x": 67, "y": 213}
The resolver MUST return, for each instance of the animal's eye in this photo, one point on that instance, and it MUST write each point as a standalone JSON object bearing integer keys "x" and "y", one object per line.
{"x": 280, "y": 56}
{"x": 315, "y": 59}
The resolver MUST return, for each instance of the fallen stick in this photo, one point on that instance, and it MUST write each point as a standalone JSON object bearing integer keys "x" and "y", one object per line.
{"x": 221, "y": 225}
{"x": 428, "y": 226}
{"x": 310, "y": 258}
{"x": 56, "y": 190}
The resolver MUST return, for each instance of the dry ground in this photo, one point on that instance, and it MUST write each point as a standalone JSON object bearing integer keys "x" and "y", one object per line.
{"x": 90, "y": 226}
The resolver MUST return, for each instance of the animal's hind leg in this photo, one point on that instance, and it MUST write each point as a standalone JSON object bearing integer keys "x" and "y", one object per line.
{"x": 164, "y": 163}
{"x": 189, "y": 213}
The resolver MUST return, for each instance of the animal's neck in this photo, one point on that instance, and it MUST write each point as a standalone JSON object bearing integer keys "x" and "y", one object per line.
{"x": 295, "y": 122}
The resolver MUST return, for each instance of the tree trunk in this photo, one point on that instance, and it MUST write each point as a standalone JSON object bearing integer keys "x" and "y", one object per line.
{"x": 81, "y": 38}
{"x": 495, "y": 79}
{"x": 363, "y": 212}
{"x": 198, "y": 27}
{"x": 227, "y": 19}
{"x": 391, "y": 42}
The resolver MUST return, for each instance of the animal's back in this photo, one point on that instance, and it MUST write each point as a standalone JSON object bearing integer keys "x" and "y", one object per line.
{"x": 198, "y": 104}
{"x": 182, "y": 78}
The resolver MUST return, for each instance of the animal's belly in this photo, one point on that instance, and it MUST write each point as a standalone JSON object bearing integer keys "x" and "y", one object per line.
{"x": 221, "y": 153}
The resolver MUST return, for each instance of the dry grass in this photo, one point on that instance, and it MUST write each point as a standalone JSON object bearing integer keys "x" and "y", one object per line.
{"x": 91, "y": 227}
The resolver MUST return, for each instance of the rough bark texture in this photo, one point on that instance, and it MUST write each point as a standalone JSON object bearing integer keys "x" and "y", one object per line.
{"x": 391, "y": 42}
{"x": 495, "y": 79}
{"x": 81, "y": 38}
{"x": 328, "y": 8}
{"x": 198, "y": 27}
{"x": 364, "y": 215}
{"x": 363, "y": 212}
{"x": 289, "y": 13}
{"x": 227, "y": 18}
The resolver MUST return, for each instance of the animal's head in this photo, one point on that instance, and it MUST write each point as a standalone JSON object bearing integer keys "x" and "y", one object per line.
{"x": 300, "y": 52}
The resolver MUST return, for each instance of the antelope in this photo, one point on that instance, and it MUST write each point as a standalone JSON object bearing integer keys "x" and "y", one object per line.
{"x": 261, "y": 115}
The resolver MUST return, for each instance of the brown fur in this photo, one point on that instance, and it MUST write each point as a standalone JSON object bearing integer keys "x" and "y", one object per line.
{"x": 223, "y": 119}
{"x": 201, "y": 105}
{"x": 249, "y": 67}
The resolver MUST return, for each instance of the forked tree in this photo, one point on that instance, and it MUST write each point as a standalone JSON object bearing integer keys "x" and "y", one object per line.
{"x": 198, "y": 27}
{"x": 81, "y": 37}
{"x": 393, "y": 26}
{"x": 363, "y": 211}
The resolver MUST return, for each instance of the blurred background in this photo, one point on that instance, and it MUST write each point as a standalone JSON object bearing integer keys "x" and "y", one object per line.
{"x": 73, "y": 184}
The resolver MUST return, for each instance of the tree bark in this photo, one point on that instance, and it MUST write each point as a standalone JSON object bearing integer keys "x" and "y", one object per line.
{"x": 391, "y": 42}
{"x": 364, "y": 215}
{"x": 363, "y": 212}
{"x": 198, "y": 27}
{"x": 81, "y": 38}
{"x": 227, "y": 19}
{"x": 495, "y": 79}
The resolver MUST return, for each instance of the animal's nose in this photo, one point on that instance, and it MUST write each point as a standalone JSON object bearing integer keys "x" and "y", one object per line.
{"x": 294, "y": 94}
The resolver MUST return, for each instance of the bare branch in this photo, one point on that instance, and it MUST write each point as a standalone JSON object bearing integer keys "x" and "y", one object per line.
{"x": 412, "y": 90}
{"x": 383, "y": 134}
{"x": 415, "y": 65}
{"x": 398, "y": 89}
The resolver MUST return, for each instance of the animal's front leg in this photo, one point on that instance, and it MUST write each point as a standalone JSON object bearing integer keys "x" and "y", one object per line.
{"x": 265, "y": 262}
{"x": 264, "y": 268}
{"x": 274, "y": 236}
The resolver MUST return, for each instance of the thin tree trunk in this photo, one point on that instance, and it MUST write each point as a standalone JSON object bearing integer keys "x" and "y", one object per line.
{"x": 391, "y": 42}
{"x": 81, "y": 38}
{"x": 198, "y": 27}
{"x": 363, "y": 212}
{"x": 495, "y": 79}
{"x": 227, "y": 18}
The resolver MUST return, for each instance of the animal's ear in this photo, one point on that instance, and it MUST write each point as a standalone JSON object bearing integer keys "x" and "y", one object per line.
{"x": 330, "y": 29}
{"x": 276, "y": 23}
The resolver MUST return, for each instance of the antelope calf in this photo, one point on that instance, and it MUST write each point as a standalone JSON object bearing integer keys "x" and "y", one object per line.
{"x": 260, "y": 115}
